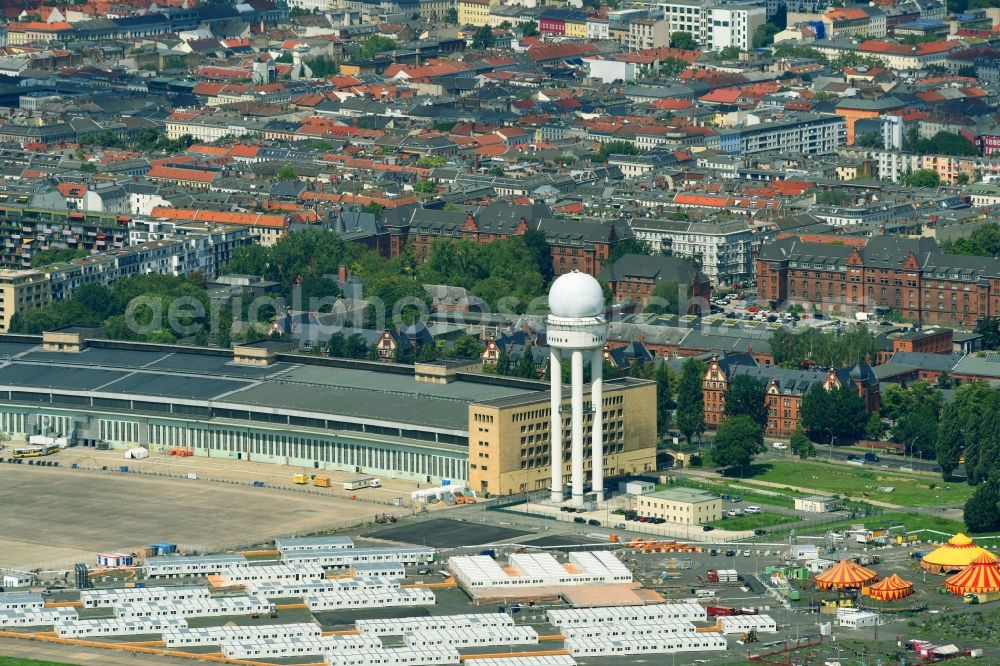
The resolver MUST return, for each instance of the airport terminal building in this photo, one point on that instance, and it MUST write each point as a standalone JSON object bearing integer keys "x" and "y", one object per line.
{"x": 259, "y": 403}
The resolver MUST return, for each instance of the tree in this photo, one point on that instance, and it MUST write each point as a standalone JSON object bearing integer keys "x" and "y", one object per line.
{"x": 483, "y": 39}
{"x": 729, "y": 53}
{"x": 87, "y": 167}
{"x": 322, "y": 66}
{"x": 746, "y": 397}
{"x": 942, "y": 143}
{"x": 738, "y": 440}
{"x": 503, "y": 363}
{"x": 451, "y": 16}
{"x": 923, "y": 178}
{"x": 617, "y": 148}
{"x": 355, "y": 346}
{"x": 629, "y": 246}
{"x": 801, "y": 445}
{"x": 56, "y": 256}
{"x": 374, "y": 45}
{"x": 834, "y": 413}
{"x": 526, "y": 365}
{"x": 286, "y": 173}
{"x": 536, "y": 243}
{"x": 529, "y": 29}
{"x": 671, "y": 67}
{"x": 917, "y": 430}
{"x": 875, "y": 428}
{"x": 949, "y": 440}
{"x": 981, "y": 511}
{"x": 668, "y": 297}
{"x": 764, "y": 35}
{"x": 989, "y": 328}
{"x": 425, "y": 187}
{"x": 666, "y": 387}
{"x": 338, "y": 345}
{"x": 691, "y": 399}
{"x": 869, "y": 140}
{"x": 466, "y": 346}
{"x": 683, "y": 40}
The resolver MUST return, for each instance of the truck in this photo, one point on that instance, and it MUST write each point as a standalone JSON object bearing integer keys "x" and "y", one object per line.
{"x": 321, "y": 482}
{"x": 301, "y": 479}
{"x": 980, "y": 597}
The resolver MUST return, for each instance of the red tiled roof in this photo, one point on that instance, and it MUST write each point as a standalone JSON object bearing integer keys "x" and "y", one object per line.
{"x": 247, "y": 219}
{"x": 178, "y": 173}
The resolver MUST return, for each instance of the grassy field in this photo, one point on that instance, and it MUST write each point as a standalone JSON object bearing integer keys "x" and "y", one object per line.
{"x": 862, "y": 482}
{"x": 785, "y": 499}
{"x": 15, "y": 661}
{"x": 753, "y": 522}
{"x": 910, "y": 521}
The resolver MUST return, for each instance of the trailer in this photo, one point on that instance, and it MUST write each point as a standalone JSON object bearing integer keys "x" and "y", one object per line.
{"x": 321, "y": 482}
{"x": 980, "y": 597}
{"x": 363, "y": 482}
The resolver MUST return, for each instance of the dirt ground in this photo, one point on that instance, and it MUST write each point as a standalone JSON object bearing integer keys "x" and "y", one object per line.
{"x": 55, "y": 516}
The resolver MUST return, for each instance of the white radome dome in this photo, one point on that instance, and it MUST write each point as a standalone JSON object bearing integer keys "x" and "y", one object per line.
{"x": 576, "y": 295}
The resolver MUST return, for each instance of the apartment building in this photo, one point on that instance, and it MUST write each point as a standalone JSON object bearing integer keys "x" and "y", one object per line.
{"x": 895, "y": 165}
{"x": 723, "y": 248}
{"x": 855, "y": 21}
{"x": 21, "y": 290}
{"x": 209, "y": 129}
{"x": 733, "y": 26}
{"x": 475, "y": 12}
{"x": 689, "y": 16}
{"x": 806, "y": 133}
{"x": 683, "y": 506}
{"x": 647, "y": 33}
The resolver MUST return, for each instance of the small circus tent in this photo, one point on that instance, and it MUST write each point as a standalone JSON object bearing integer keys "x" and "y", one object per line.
{"x": 845, "y": 575}
{"x": 982, "y": 575}
{"x": 889, "y": 589}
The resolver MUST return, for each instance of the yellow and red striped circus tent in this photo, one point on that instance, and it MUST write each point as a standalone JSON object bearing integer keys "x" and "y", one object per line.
{"x": 953, "y": 556}
{"x": 889, "y": 589}
{"x": 982, "y": 575}
{"x": 845, "y": 575}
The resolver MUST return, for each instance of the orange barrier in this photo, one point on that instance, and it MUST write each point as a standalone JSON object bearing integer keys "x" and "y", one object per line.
{"x": 260, "y": 553}
{"x": 447, "y": 583}
{"x": 508, "y": 655}
{"x": 64, "y": 604}
{"x": 704, "y": 630}
{"x": 290, "y": 606}
{"x": 552, "y": 637}
{"x": 345, "y": 632}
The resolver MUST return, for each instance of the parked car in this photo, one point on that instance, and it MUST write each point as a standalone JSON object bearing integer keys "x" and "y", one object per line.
{"x": 730, "y": 553}
{"x": 781, "y": 446}
{"x": 707, "y": 528}
{"x": 580, "y": 519}
{"x": 746, "y": 553}
{"x": 620, "y": 526}
{"x": 732, "y": 513}
{"x": 759, "y": 532}
{"x": 855, "y": 459}
{"x": 871, "y": 457}
{"x": 737, "y": 499}
{"x": 752, "y": 509}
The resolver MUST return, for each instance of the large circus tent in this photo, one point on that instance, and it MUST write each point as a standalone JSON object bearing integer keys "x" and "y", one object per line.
{"x": 953, "y": 556}
{"x": 890, "y": 588}
{"x": 845, "y": 575}
{"x": 982, "y": 575}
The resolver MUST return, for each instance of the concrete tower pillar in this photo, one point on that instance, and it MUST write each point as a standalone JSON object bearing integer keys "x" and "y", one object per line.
{"x": 597, "y": 435}
{"x": 556, "y": 425}
{"x": 576, "y": 386}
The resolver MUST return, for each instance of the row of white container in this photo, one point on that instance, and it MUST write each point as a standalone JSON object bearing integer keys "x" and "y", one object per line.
{"x": 378, "y": 570}
{"x": 193, "y": 608}
{"x": 656, "y": 627}
{"x": 389, "y": 626}
{"x": 535, "y": 569}
{"x": 75, "y": 628}
{"x": 599, "y": 647}
{"x": 35, "y": 617}
{"x": 278, "y": 573}
{"x": 529, "y": 660}
{"x": 313, "y": 543}
{"x": 109, "y": 598}
{"x": 737, "y": 624}
{"x": 728, "y": 575}
{"x": 395, "y": 657}
{"x": 480, "y": 571}
{"x": 279, "y": 590}
{"x": 370, "y": 599}
{"x": 21, "y": 600}
{"x": 584, "y": 616}
{"x": 464, "y": 637}
{"x": 348, "y": 557}
{"x": 191, "y": 565}
{"x": 293, "y": 647}
{"x": 181, "y": 636}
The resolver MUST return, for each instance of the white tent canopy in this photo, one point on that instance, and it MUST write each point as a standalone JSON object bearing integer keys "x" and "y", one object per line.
{"x": 137, "y": 453}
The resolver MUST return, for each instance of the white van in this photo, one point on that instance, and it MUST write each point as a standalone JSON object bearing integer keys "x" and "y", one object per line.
{"x": 752, "y": 509}
{"x": 704, "y": 594}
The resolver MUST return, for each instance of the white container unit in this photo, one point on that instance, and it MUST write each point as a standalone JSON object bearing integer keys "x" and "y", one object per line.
{"x": 109, "y": 627}
{"x": 395, "y": 657}
{"x": 194, "y": 608}
{"x": 589, "y": 647}
{"x": 399, "y": 626}
{"x": 618, "y": 614}
{"x": 312, "y": 543}
{"x": 348, "y": 557}
{"x": 110, "y": 598}
{"x": 184, "y": 636}
{"x": 191, "y": 565}
{"x": 465, "y": 637}
{"x": 628, "y": 629}
{"x": 528, "y": 660}
{"x": 370, "y": 599}
{"x": 21, "y": 601}
{"x": 278, "y": 573}
{"x": 277, "y": 590}
{"x": 35, "y": 617}
{"x": 737, "y": 624}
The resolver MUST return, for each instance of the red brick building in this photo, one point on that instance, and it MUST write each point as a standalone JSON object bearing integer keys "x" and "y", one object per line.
{"x": 784, "y": 389}
{"x": 634, "y": 277}
{"x": 911, "y": 276}
{"x": 932, "y": 341}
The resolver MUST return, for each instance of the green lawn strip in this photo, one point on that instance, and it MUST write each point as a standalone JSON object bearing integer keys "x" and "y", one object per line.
{"x": 784, "y": 499}
{"x": 17, "y": 661}
{"x": 753, "y": 521}
{"x": 858, "y": 481}
{"x": 910, "y": 521}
